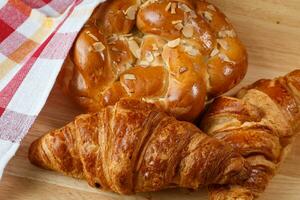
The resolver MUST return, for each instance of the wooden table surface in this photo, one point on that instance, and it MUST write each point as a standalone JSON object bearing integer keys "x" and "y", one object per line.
{"x": 271, "y": 31}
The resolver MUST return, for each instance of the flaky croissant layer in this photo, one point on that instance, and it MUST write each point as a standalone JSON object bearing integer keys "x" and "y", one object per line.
{"x": 133, "y": 147}
{"x": 260, "y": 123}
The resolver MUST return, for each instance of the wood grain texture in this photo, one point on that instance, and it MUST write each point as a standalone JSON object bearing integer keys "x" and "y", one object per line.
{"x": 271, "y": 31}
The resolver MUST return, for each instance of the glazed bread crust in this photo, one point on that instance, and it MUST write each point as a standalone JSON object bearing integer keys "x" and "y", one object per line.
{"x": 176, "y": 54}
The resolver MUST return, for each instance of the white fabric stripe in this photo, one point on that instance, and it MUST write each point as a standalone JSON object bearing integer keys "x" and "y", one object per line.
{"x": 32, "y": 24}
{"x": 7, "y": 151}
{"x": 79, "y": 16}
{"x": 47, "y": 10}
{"x": 2, "y": 3}
{"x": 33, "y": 92}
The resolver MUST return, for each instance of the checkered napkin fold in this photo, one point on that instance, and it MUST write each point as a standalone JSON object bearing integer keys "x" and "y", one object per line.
{"x": 35, "y": 38}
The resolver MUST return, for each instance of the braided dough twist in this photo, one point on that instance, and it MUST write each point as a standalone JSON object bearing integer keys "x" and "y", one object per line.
{"x": 176, "y": 54}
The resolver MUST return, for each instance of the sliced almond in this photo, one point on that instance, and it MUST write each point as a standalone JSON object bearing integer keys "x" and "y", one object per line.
{"x": 92, "y": 36}
{"x": 188, "y": 31}
{"x": 176, "y": 21}
{"x": 174, "y": 43}
{"x": 131, "y": 12}
{"x": 128, "y": 65}
{"x": 112, "y": 39}
{"x": 179, "y": 26}
{"x": 182, "y": 70}
{"x": 211, "y": 7}
{"x": 225, "y": 58}
{"x": 129, "y": 77}
{"x": 145, "y": 3}
{"x": 227, "y": 33}
{"x": 193, "y": 15}
{"x": 144, "y": 63}
{"x": 99, "y": 46}
{"x": 154, "y": 47}
{"x": 149, "y": 56}
{"x": 191, "y": 50}
{"x": 223, "y": 43}
{"x": 173, "y": 8}
{"x": 114, "y": 49}
{"x": 134, "y": 48}
{"x": 214, "y": 52}
{"x": 156, "y": 54}
{"x": 90, "y": 49}
{"x": 208, "y": 16}
{"x": 131, "y": 38}
{"x": 127, "y": 35}
{"x": 227, "y": 71}
{"x": 184, "y": 7}
{"x": 168, "y": 7}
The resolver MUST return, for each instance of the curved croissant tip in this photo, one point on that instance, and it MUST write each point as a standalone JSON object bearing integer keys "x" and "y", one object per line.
{"x": 235, "y": 192}
{"x": 295, "y": 75}
{"x": 35, "y": 155}
{"x": 238, "y": 169}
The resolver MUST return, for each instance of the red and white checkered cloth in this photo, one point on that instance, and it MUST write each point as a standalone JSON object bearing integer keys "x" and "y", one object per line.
{"x": 35, "y": 37}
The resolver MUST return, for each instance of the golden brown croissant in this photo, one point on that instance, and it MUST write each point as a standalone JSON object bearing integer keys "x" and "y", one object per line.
{"x": 133, "y": 147}
{"x": 260, "y": 123}
{"x": 174, "y": 53}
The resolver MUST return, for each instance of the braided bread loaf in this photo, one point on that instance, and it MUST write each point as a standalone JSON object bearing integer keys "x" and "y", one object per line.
{"x": 261, "y": 124}
{"x": 174, "y": 53}
{"x": 133, "y": 147}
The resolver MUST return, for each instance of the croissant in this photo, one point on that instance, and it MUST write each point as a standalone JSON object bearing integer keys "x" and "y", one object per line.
{"x": 176, "y": 54}
{"x": 260, "y": 123}
{"x": 133, "y": 147}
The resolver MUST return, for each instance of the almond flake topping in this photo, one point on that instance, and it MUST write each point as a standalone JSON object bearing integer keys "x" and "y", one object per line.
{"x": 144, "y": 63}
{"x": 134, "y": 48}
{"x": 227, "y": 71}
{"x": 173, "y": 8}
{"x": 227, "y": 33}
{"x": 128, "y": 65}
{"x": 131, "y": 12}
{"x": 129, "y": 77}
{"x": 156, "y": 54}
{"x": 182, "y": 70}
{"x": 112, "y": 39}
{"x": 192, "y": 51}
{"x": 114, "y": 49}
{"x": 176, "y": 21}
{"x": 188, "y": 31}
{"x": 168, "y": 7}
{"x": 154, "y": 47}
{"x": 99, "y": 46}
{"x": 184, "y": 7}
{"x": 211, "y": 7}
{"x": 225, "y": 58}
{"x": 208, "y": 16}
{"x": 223, "y": 43}
{"x": 90, "y": 49}
{"x": 214, "y": 52}
{"x": 179, "y": 26}
{"x": 174, "y": 43}
{"x": 149, "y": 56}
{"x": 92, "y": 36}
